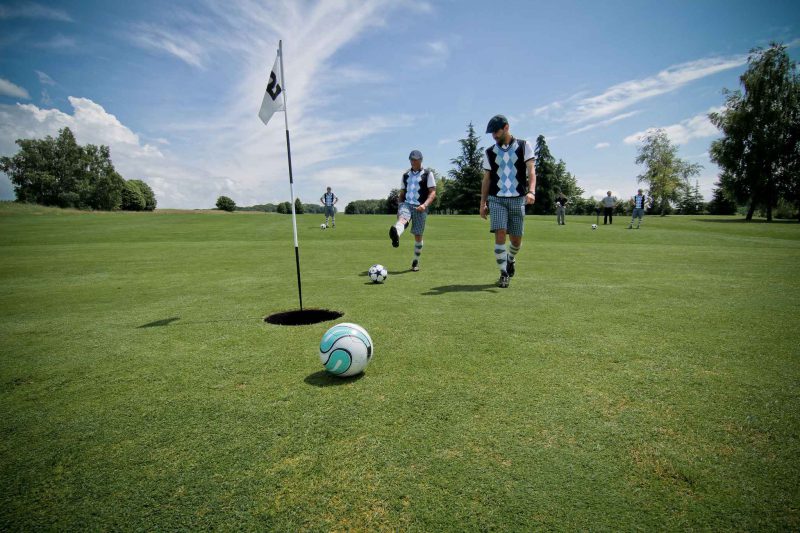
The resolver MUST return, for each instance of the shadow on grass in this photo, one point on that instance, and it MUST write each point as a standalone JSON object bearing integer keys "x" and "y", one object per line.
{"x": 323, "y": 379}
{"x": 436, "y": 291}
{"x": 169, "y": 321}
{"x": 392, "y": 272}
{"x": 745, "y": 221}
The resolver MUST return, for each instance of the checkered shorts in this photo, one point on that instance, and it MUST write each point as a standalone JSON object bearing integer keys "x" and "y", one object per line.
{"x": 409, "y": 212}
{"x": 330, "y": 211}
{"x": 508, "y": 214}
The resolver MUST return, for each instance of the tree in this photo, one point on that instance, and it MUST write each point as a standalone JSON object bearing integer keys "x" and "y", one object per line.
{"x": 720, "y": 204}
{"x": 393, "y": 201}
{"x": 467, "y": 176}
{"x": 545, "y": 168}
{"x": 137, "y": 196}
{"x": 298, "y": 207}
{"x": 226, "y": 204}
{"x": 60, "y": 172}
{"x": 759, "y": 152}
{"x": 690, "y": 201}
{"x": 665, "y": 173}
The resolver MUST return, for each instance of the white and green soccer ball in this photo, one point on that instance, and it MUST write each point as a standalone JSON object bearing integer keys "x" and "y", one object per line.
{"x": 345, "y": 350}
{"x": 323, "y": 226}
{"x": 378, "y": 273}
{"x": 594, "y": 226}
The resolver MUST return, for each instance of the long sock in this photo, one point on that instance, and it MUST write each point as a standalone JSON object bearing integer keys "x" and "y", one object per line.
{"x": 401, "y": 227}
{"x": 513, "y": 251}
{"x": 418, "y": 249}
{"x": 501, "y": 256}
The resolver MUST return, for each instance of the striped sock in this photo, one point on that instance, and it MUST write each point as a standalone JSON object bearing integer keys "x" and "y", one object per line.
{"x": 513, "y": 251}
{"x": 501, "y": 256}
{"x": 400, "y": 227}
{"x": 418, "y": 249}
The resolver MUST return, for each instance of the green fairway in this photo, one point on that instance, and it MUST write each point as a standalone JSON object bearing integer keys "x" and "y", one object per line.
{"x": 628, "y": 379}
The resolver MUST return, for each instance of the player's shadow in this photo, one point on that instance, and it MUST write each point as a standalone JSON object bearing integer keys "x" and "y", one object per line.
{"x": 171, "y": 322}
{"x": 324, "y": 379}
{"x": 437, "y": 291}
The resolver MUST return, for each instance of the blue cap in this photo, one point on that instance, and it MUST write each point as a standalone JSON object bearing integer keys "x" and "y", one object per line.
{"x": 415, "y": 154}
{"x": 498, "y": 122}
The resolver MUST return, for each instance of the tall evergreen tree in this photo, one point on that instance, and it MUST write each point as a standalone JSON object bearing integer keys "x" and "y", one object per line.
{"x": 720, "y": 204}
{"x": 467, "y": 175}
{"x": 545, "y": 167}
{"x": 759, "y": 153}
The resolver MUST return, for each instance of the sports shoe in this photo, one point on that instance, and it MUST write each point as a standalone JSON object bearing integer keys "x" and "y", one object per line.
{"x": 503, "y": 281}
{"x": 394, "y": 236}
{"x": 511, "y": 268}
{"x": 415, "y": 265}
{"x": 630, "y": 227}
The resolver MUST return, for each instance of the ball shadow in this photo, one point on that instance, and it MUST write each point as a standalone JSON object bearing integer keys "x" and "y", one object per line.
{"x": 324, "y": 379}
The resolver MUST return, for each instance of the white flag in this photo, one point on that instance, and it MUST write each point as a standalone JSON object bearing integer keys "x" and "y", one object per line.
{"x": 273, "y": 99}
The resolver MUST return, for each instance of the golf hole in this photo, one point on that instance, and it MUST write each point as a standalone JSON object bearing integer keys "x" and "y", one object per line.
{"x": 302, "y": 317}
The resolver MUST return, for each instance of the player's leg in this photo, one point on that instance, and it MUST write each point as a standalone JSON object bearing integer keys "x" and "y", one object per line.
{"x": 498, "y": 217}
{"x": 403, "y": 216}
{"x": 417, "y": 228}
{"x": 516, "y": 227}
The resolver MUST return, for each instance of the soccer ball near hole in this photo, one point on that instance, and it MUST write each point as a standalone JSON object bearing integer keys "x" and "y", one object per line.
{"x": 323, "y": 226}
{"x": 345, "y": 350}
{"x": 378, "y": 273}
{"x": 594, "y": 226}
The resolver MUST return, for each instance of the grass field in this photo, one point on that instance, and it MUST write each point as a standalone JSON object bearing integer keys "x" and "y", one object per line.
{"x": 626, "y": 380}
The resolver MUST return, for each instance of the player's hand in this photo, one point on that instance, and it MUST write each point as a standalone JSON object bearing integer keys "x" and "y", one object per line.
{"x": 529, "y": 199}
{"x": 421, "y": 208}
{"x": 484, "y": 210}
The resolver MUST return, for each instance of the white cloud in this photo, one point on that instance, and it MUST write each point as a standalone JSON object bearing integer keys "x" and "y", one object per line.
{"x": 600, "y": 146}
{"x": 696, "y": 127}
{"x": 33, "y": 10}
{"x": 45, "y": 99}
{"x": 44, "y": 79}
{"x": 15, "y": 91}
{"x": 435, "y": 53}
{"x": 579, "y": 109}
{"x": 602, "y": 193}
{"x": 231, "y": 152}
{"x": 606, "y": 122}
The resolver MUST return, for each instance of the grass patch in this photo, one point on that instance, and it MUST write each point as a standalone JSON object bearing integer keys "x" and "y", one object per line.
{"x": 642, "y": 379}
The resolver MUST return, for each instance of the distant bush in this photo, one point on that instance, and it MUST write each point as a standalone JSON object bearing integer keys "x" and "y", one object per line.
{"x": 226, "y": 204}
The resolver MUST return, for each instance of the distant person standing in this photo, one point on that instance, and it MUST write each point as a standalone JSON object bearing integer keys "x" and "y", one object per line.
{"x": 329, "y": 201}
{"x": 638, "y": 209}
{"x": 608, "y": 208}
{"x": 417, "y": 193}
{"x": 509, "y": 182}
{"x": 561, "y": 208}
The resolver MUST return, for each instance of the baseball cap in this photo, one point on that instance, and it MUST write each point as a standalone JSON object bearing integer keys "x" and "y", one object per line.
{"x": 497, "y": 122}
{"x": 415, "y": 154}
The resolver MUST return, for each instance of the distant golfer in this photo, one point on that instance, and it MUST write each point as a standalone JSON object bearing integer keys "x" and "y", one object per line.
{"x": 561, "y": 208}
{"x": 417, "y": 193}
{"x": 509, "y": 182}
{"x": 638, "y": 209}
{"x": 608, "y": 208}
{"x": 329, "y": 201}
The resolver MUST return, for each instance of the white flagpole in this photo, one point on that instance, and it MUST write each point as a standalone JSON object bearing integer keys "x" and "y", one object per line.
{"x": 291, "y": 181}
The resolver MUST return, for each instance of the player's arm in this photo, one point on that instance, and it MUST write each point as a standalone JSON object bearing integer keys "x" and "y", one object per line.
{"x": 429, "y": 201}
{"x": 531, "y": 196}
{"x": 402, "y": 196}
{"x": 484, "y": 209}
{"x": 335, "y": 199}
{"x": 321, "y": 200}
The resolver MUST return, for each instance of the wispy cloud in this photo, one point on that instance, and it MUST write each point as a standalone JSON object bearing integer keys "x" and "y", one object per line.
{"x": 602, "y": 123}
{"x": 580, "y": 109}
{"x": 32, "y": 10}
{"x": 162, "y": 39}
{"x": 44, "y": 79}
{"x": 600, "y": 146}
{"x": 15, "y": 91}
{"x": 435, "y": 53}
{"x": 696, "y": 127}
{"x": 58, "y": 42}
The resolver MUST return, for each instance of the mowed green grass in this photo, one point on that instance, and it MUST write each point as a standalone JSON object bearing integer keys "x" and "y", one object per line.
{"x": 626, "y": 380}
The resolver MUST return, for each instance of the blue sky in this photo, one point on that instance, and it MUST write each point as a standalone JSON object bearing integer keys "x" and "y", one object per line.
{"x": 174, "y": 88}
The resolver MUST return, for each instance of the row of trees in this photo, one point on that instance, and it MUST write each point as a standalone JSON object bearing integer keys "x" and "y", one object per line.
{"x": 59, "y": 172}
{"x": 225, "y": 203}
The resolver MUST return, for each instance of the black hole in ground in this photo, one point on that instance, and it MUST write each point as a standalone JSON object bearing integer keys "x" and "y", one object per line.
{"x": 302, "y": 318}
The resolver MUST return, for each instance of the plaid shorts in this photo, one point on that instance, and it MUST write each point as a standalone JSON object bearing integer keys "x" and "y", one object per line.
{"x": 330, "y": 211}
{"x": 409, "y": 212}
{"x": 507, "y": 213}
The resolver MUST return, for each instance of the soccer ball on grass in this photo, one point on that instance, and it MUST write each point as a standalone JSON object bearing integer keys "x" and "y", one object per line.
{"x": 323, "y": 226}
{"x": 594, "y": 226}
{"x": 378, "y": 273}
{"x": 345, "y": 350}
